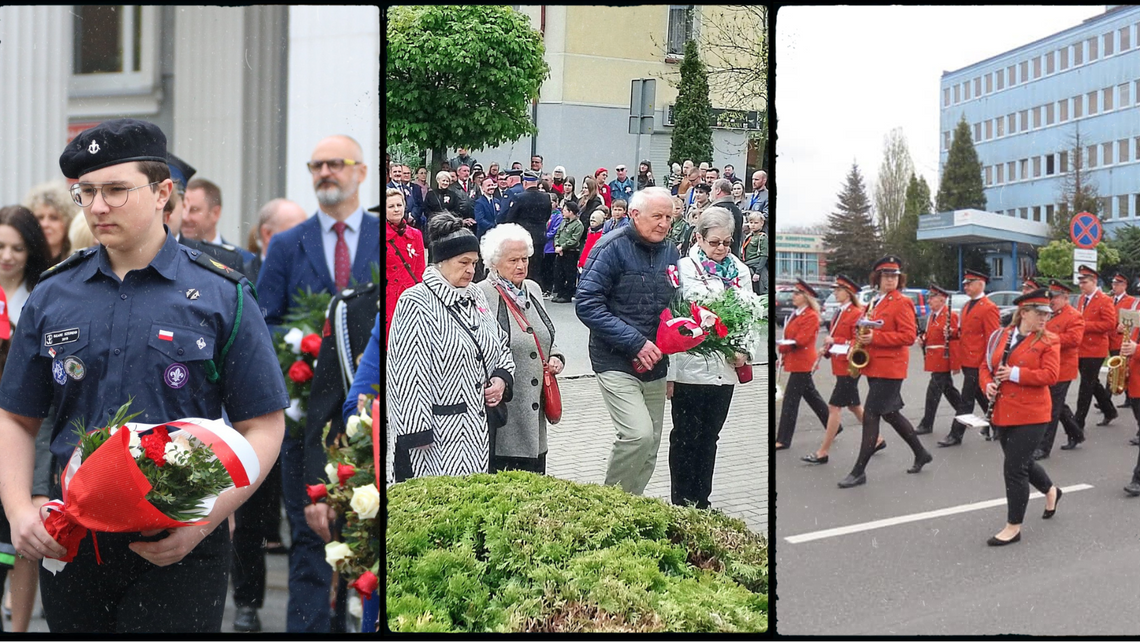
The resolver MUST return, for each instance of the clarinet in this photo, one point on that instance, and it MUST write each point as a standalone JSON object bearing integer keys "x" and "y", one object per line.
{"x": 946, "y": 349}
{"x": 1001, "y": 362}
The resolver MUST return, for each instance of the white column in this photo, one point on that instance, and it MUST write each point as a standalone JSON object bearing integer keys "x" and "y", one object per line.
{"x": 35, "y": 63}
{"x": 209, "y": 72}
{"x": 334, "y": 79}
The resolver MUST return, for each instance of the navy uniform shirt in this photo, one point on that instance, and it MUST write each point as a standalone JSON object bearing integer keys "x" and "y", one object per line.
{"x": 87, "y": 341}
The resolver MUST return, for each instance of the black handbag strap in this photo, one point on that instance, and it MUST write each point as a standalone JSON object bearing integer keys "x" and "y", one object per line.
{"x": 405, "y": 262}
{"x": 471, "y": 334}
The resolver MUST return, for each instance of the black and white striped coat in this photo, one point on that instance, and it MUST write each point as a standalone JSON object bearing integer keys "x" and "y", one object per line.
{"x": 435, "y": 380}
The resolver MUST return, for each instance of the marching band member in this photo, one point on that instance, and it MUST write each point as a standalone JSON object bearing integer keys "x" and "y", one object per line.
{"x": 1022, "y": 360}
{"x": 1030, "y": 285}
{"x": 1128, "y": 349}
{"x": 1069, "y": 326}
{"x": 799, "y": 359}
{"x": 846, "y": 393}
{"x": 940, "y": 357}
{"x": 980, "y": 318}
{"x": 1100, "y": 321}
{"x": 1122, "y": 301}
{"x": 888, "y": 349}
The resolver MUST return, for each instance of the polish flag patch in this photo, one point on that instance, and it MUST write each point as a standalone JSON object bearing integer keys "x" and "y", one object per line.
{"x": 166, "y": 335}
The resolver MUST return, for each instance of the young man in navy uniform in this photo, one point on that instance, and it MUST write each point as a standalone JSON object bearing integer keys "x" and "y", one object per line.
{"x": 142, "y": 317}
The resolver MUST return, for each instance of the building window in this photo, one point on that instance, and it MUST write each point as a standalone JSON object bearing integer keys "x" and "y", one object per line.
{"x": 1122, "y": 207}
{"x": 1049, "y": 214}
{"x": 1122, "y": 151}
{"x": 1000, "y": 126}
{"x": 1078, "y": 54}
{"x": 1123, "y": 91}
{"x": 946, "y": 97}
{"x": 1023, "y": 213}
{"x": 1093, "y": 55}
{"x": 998, "y": 268}
{"x": 680, "y": 29}
{"x": 1106, "y": 154}
{"x": 1011, "y": 75}
{"x": 1063, "y": 53}
{"x": 1011, "y": 170}
{"x": 978, "y": 87}
{"x": 1108, "y": 43}
{"x": 1050, "y": 165}
{"x": 1037, "y": 67}
{"x": 989, "y": 129}
{"x": 114, "y": 50}
{"x": 1049, "y": 64}
{"x": 1000, "y": 171}
{"x": 1037, "y": 213}
{"x": 989, "y": 83}
{"x": 957, "y": 94}
{"x": 1036, "y": 117}
{"x": 1092, "y": 157}
{"x": 1136, "y": 155}
{"x": 1092, "y": 104}
{"x": 1106, "y": 98}
{"x": 1125, "y": 39}
{"x": 1078, "y": 103}
{"x": 1136, "y": 201}
{"x": 1036, "y": 167}
{"x": 1064, "y": 162}
{"x": 1024, "y": 120}
{"x": 1049, "y": 114}
{"x": 1025, "y": 71}
{"x": 1011, "y": 123}
{"x": 1024, "y": 171}
{"x": 988, "y": 170}
{"x": 999, "y": 79}
{"x": 1106, "y": 206}
{"x": 945, "y": 141}
{"x": 966, "y": 90}
{"x": 977, "y": 131}
{"x": 1137, "y": 92}
{"x": 1063, "y": 107}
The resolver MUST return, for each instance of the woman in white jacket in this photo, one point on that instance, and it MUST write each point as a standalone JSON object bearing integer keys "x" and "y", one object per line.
{"x": 700, "y": 387}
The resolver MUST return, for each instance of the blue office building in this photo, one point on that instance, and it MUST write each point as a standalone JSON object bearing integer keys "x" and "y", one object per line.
{"x": 1026, "y": 108}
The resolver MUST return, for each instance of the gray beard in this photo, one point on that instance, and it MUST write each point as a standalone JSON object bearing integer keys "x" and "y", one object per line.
{"x": 330, "y": 196}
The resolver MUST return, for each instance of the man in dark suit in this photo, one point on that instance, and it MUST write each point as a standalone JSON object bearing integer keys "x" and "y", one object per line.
{"x": 487, "y": 208}
{"x": 325, "y": 253}
{"x": 413, "y": 198}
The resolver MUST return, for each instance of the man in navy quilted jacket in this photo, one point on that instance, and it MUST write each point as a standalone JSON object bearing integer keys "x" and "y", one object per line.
{"x": 621, "y": 293}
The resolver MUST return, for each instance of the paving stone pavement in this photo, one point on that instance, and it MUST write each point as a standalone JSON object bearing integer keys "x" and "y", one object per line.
{"x": 579, "y": 447}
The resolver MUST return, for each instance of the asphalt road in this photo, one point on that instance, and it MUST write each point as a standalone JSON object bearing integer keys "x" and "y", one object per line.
{"x": 1077, "y": 574}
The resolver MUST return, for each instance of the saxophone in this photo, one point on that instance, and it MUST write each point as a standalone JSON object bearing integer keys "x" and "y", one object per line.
{"x": 1117, "y": 379}
{"x": 858, "y": 357}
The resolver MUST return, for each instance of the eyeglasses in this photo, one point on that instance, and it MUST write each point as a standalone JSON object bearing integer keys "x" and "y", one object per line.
{"x": 114, "y": 195}
{"x": 335, "y": 164}
{"x": 725, "y": 243}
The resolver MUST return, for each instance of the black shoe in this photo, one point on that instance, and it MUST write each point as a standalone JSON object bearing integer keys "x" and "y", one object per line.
{"x": 994, "y": 541}
{"x": 840, "y": 431}
{"x": 985, "y": 432}
{"x": 1073, "y": 443}
{"x": 246, "y": 620}
{"x": 923, "y": 430}
{"x": 1108, "y": 419}
{"x": 812, "y": 459}
{"x": 882, "y": 446}
{"x": 853, "y": 480}
{"x": 1133, "y": 489}
{"x": 1135, "y": 441}
{"x": 1125, "y": 405}
{"x": 1039, "y": 454}
{"x": 920, "y": 461}
{"x": 1049, "y": 513}
{"x": 950, "y": 440}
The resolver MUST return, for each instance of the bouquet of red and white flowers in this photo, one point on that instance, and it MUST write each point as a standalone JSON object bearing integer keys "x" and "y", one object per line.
{"x": 128, "y": 477}
{"x": 297, "y": 352}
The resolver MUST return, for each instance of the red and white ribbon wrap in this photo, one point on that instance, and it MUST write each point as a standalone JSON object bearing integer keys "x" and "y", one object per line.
{"x": 108, "y": 491}
{"x": 674, "y": 278}
{"x": 678, "y": 334}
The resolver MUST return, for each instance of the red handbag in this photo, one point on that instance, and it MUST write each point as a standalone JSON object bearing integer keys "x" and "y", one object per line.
{"x": 551, "y": 395}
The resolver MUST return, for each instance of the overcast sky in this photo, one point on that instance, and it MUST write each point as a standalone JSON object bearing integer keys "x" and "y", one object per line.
{"x": 846, "y": 76}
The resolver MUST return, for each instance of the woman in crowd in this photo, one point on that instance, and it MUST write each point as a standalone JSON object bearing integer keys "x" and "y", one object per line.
{"x": 441, "y": 199}
{"x": 590, "y": 199}
{"x": 701, "y": 386}
{"x": 79, "y": 232}
{"x": 23, "y": 256}
{"x": 422, "y": 182}
{"x": 738, "y": 195}
{"x": 888, "y": 352}
{"x": 846, "y": 392}
{"x": 1021, "y": 362}
{"x": 52, "y": 205}
{"x": 798, "y": 355}
{"x": 645, "y": 175}
{"x": 516, "y": 303}
{"x": 449, "y": 368}
{"x": 405, "y": 261}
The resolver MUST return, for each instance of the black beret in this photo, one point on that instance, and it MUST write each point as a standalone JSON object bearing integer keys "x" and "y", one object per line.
{"x": 110, "y": 143}
{"x": 180, "y": 171}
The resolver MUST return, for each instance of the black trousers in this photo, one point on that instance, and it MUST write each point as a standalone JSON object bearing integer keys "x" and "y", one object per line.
{"x": 257, "y": 521}
{"x": 871, "y": 437}
{"x": 565, "y": 273}
{"x": 538, "y": 265}
{"x": 699, "y": 413}
{"x": 546, "y": 280}
{"x": 800, "y": 386}
{"x": 1020, "y": 470}
{"x": 1136, "y": 413}
{"x": 971, "y": 392}
{"x": 1091, "y": 386}
{"x": 532, "y": 464}
{"x": 128, "y": 594}
{"x": 941, "y": 385}
{"x": 1061, "y": 413}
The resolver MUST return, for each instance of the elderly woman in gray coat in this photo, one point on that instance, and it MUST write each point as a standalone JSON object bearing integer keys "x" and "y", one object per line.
{"x": 506, "y": 251}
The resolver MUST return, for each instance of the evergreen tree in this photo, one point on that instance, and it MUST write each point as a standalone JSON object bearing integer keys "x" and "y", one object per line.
{"x": 852, "y": 239}
{"x": 961, "y": 186}
{"x": 692, "y": 113}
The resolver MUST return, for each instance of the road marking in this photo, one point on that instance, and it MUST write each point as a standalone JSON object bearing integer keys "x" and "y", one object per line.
{"x": 916, "y": 517}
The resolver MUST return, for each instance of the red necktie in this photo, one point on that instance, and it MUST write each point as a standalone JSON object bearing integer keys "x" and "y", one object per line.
{"x": 341, "y": 260}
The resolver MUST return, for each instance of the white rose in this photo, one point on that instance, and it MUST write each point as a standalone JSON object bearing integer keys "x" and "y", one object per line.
{"x": 352, "y": 429}
{"x": 293, "y": 338}
{"x": 335, "y": 552}
{"x": 176, "y": 454}
{"x": 366, "y": 501}
{"x": 294, "y": 411}
{"x": 330, "y": 471}
{"x": 365, "y": 418}
{"x": 136, "y": 453}
{"x": 183, "y": 440}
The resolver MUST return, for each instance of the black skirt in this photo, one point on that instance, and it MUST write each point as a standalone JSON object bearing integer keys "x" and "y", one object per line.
{"x": 884, "y": 396}
{"x": 846, "y": 392}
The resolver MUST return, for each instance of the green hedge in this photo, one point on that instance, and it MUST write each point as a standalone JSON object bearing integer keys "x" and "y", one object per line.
{"x": 522, "y": 552}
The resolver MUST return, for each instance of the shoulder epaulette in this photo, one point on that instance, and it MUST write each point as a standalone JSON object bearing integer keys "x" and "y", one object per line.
{"x": 75, "y": 259}
{"x": 353, "y": 292}
{"x": 210, "y": 263}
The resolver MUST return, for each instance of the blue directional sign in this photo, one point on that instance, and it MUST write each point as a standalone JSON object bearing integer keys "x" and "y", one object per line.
{"x": 1086, "y": 230}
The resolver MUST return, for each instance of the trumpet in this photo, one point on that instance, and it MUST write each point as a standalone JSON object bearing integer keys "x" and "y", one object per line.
{"x": 1117, "y": 379}
{"x": 858, "y": 357}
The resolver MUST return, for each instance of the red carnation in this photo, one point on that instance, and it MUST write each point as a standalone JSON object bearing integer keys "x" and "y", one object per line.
{"x": 311, "y": 345}
{"x": 155, "y": 445}
{"x": 344, "y": 472}
{"x": 317, "y": 492}
{"x": 366, "y": 585}
{"x": 300, "y": 372}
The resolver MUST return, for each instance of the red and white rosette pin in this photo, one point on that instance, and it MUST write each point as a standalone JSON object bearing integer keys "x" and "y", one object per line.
{"x": 674, "y": 278}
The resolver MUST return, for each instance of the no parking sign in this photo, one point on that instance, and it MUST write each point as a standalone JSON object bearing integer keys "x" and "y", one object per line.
{"x": 1086, "y": 231}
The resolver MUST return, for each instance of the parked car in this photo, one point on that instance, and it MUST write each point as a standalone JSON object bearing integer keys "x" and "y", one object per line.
{"x": 1004, "y": 299}
{"x": 783, "y": 304}
{"x": 916, "y": 295}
